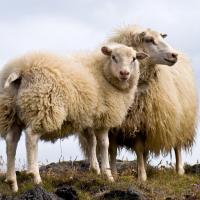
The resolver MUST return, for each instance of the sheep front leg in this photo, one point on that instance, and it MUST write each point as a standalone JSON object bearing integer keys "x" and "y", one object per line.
{"x": 32, "y": 154}
{"x": 179, "y": 162}
{"x": 139, "y": 149}
{"x": 113, "y": 154}
{"x": 12, "y": 139}
{"x": 103, "y": 141}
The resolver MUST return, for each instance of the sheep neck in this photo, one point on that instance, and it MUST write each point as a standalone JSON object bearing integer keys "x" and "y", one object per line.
{"x": 148, "y": 74}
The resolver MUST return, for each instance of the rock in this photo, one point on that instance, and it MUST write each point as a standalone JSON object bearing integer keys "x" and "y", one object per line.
{"x": 130, "y": 194}
{"x": 194, "y": 169}
{"x": 59, "y": 168}
{"x": 3, "y": 197}
{"x": 126, "y": 167}
{"x": 38, "y": 193}
{"x": 67, "y": 193}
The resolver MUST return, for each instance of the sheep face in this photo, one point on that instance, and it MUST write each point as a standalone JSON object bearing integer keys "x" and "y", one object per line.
{"x": 159, "y": 51}
{"x": 123, "y": 61}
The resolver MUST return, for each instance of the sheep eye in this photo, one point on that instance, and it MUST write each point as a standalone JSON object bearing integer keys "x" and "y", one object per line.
{"x": 150, "y": 40}
{"x": 114, "y": 58}
{"x": 133, "y": 60}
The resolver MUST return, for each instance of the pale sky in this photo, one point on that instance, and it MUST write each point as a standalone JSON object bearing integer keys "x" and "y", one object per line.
{"x": 65, "y": 26}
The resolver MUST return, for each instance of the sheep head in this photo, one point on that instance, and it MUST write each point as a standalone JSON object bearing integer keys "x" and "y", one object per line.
{"x": 153, "y": 43}
{"x": 123, "y": 60}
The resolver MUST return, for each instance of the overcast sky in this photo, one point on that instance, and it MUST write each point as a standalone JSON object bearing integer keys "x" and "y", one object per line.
{"x": 67, "y": 26}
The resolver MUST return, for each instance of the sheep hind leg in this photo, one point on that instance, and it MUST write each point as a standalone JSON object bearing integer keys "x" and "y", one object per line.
{"x": 12, "y": 139}
{"x": 113, "y": 155}
{"x": 142, "y": 176}
{"x": 179, "y": 162}
{"x": 145, "y": 156}
{"x": 91, "y": 150}
{"x": 32, "y": 155}
{"x": 103, "y": 141}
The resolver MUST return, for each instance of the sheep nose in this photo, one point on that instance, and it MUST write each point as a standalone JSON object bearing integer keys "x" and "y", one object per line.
{"x": 124, "y": 73}
{"x": 174, "y": 55}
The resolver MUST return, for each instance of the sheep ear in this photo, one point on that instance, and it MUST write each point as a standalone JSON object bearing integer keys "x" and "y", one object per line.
{"x": 11, "y": 78}
{"x": 163, "y": 35}
{"x": 106, "y": 51}
{"x": 139, "y": 37}
{"x": 141, "y": 55}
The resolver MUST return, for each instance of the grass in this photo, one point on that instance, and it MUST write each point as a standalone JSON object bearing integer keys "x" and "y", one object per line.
{"x": 161, "y": 184}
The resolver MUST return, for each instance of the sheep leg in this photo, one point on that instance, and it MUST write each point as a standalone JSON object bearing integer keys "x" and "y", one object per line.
{"x": 32, "y": 154}
{"x": 12, "y": 139}
{"x": 94, "y": 164}
{"x": 103, "y": 141}
{"x": 179, "y": 162}
{"x": 113, "y": 155}
{"x": 92, "y": 156}
{"x": 142, "y": 176}
{"x": 145, "y": 156}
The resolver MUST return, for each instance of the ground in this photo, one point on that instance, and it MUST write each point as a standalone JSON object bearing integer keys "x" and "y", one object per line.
{"x": 72, "y": 180}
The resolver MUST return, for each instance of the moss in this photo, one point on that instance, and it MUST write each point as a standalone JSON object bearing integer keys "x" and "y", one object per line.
{"x": 84, "y": 195}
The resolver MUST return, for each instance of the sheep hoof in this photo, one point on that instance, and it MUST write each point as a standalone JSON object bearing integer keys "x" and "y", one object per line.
{"x": 96, "y": 170}
{"x": 142, "y": 178}
{"x": 36, "y": 178}
{"x": 12, "y": 184}
{"x": 114, "y": 173}
{"x": 181, "y": 171}
{"x": 14, "y": 187}
{"x": 109, "y": 176}
{"x": 111, "y": 179}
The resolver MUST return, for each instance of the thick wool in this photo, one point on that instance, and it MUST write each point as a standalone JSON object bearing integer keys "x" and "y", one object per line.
{"x": 40, "y": 99}
{"x": 165, "y": 110}
{"x": 8, "y": 116}
{"x": 8, "y": 113}
{"x": 57, "y": 96}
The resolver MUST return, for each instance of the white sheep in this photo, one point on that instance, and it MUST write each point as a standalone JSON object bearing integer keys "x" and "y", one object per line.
{"x": 53, "y": 97}
{"x": 164, "y": 113}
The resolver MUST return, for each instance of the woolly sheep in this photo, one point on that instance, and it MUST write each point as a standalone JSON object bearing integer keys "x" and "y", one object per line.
{"x": 165, "y": 109}
{"x": 54, "y": 96}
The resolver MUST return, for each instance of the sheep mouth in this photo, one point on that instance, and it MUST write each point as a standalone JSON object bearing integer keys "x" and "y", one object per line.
{"x": 124, "y": 78}
{"x": 172, "y": 62}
